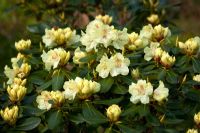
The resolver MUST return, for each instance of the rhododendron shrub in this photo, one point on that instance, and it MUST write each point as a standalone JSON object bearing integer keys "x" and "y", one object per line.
{"x": 103, "y": 80}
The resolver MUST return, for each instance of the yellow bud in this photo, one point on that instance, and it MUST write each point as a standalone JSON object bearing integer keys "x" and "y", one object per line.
{"x": 160, "y": 33}
{"x": 153, "y": 19}
{"x": 16, "y": 92}
{"x": 78, "y": 54}
{"x": 192, "y": 131}
{"x": 23, "y": 45}
{"x": 106, "y": 19}
{"x": 64, "y": 57}
{"x": 196, "y": 78}
{"x": 113, "y": 113}
{"x": 134, "y": 41}
{"x": 158, "y": 54}
{"x": 19, "y": 81}
{"x": 10, "y": 115}
{"x": 57, "y": 97}
{"x": 135, "y": 73}
{"x": 166, "y": 60}
{"x": 197, "y": 118}
{"x": 24, "y": 70}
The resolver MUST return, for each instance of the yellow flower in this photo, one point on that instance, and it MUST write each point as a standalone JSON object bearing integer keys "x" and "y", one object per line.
{"x": 16, "y": 92}
{"x": 196, "y": 78}
{"x": 23, "y": 70}
{"x": 10, "y": 115}
{"x": 18, "y": 81}
{"x": 153, "y": 19}
{"x": 197, "y": 118}
{"x": 55, "y": 37}
{"x": 166, "y": 60}
{"x": 106, "y": 19}
{"x": 55, "y": 57}
{"x": 43, "y": 100}
{"x": 191, "y": 46}
{"x": 158, "y": 53}
{"x": 160, "y": 33}
{"x": 161, "y": 92}
{"x": 58, "y": 98}
{"x": 192, "y": 131}
{"x": 82, "y": 88}
{"x": 113, "y": 112}
{"x": 23, "y": 45}
{"x": 134, "y": 41}
{"x": 78, "y": 54}
{"x": 140, "y": 91}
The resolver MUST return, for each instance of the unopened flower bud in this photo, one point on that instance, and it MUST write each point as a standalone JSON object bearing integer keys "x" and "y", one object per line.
{"x": 158, "y": 54}
{"x": 24, "y": 70}
{"x": 16, "y": 92}
{"x": 10, "y": 115}
{"x": 192, "y": 131}
{"x": 153, "y": 19}
{"x": 18, "y": 81}
{"x": 197, "y": 118}
{"x": 113, "y": 113}
{"x": 196, "y": 78}
{"x": 135, "y": 73}
{"x": 160, "y": 33}
{"x": 78, "y": 54}
{"x": 57, "y": 97}
{"x": 106, "y": 19}
{"x": 166, "y": 60}
{"x": 23, "y": 45}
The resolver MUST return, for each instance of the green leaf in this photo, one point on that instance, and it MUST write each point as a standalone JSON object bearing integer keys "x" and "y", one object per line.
{"x": 196, "y": 65}
{"x": 30, "y": 110}
{"x": 58, "y": 80}
{"x": 93, "y": 116}
{"x": 106, "y": 84}
{"x": 173, "y": 121}
{"x": 119, "y": 89}
{"x": 126, "y": 129}
{"x": 45, "y": 85}
{"x": 152, "y": 120}
{"x": 172, "y": 77}
{"x": 88, "y": 58}
{"x": 130, "y": 111}
{"x": 109, "y": 101}
{"x": 54, "y": 119}
{"x": 161, "y": 75}
{"x": 28, "y": 124}
{"x": 76, "y": 118}
{"x": 37, "y": 28}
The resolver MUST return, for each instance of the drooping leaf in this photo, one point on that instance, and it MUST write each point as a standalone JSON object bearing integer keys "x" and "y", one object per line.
{"x": 106, "y": 84}
{"x": 28, "y": 124}
{"x": 58, "y": 80}
{"x": 54, "y": 119}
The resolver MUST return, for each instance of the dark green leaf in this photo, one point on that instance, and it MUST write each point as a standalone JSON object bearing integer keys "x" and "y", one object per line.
{"x": 76, "y": 118}
{"x": 109, "y": 101}
{"x": 58, "y": 80}
{"x": 45, "y": 85}
{"x": 88, "y": 58}
{"x": 172, "y": 77}
{"x": 106, "y": 84}
{"x": 54, "y": 119}
{"x": 196, "y": 65}
{"x": 28, "y": 124}
{"x": 126, "y": 129}
{"x": 152, "y": 120}
{"x": 119, "y": 89}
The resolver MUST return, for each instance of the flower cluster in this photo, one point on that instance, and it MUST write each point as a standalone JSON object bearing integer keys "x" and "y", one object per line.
{"x": 142, "y": 90}
{"x": 23, "y": 45}
{"x": 10, "y": 115}
{"x": 116, "y": 65}
{"x": 82, "y": 88}
{"x": 57, "y": 37}
{"x": 97, "y": 34}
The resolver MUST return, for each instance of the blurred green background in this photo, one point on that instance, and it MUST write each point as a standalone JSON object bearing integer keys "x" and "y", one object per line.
{"x": 17, "y": 15}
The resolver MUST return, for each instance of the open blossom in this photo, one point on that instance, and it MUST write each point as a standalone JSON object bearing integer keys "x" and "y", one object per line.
{"x": 78, "y": 54}
{"x": 116, "y": 65}
{"x": 140, "y": 91}
{"x": 82, "y": 88}
{"x": 10, "y": 115}
{"x": 120, "y": 65}
{"x": 54, "y": 58}
{"x": 98, "y": 33}
{"x": 104, "y": 67}
{"x": 161, "y": 92}
{"x": 23, "y": 45}
{"x": 196, "y": 78}
{"x": 57, "y": 36}
{"x": 43, "y": 100}
{"x": 150, "y": 51}
{"x": 191, "y": 46}
{"x": 146, "y": 32}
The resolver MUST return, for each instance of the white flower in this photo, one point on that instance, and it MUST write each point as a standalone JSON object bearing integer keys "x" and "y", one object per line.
{"x": 150, "y": 51}
{"x": 140, "y": 91}
{"x": 104, "y": 67}
{"x": 146, "y": 32}
{"x": 80, "y": 87}
{"x": 10, "y": 74}
{"x": 55, "y": 57}
{"x": 55, "y": 37}
{"x": 196, "y": 78}
{"x": 120, "y": 65}
{"x": 161, "y": 92}
{"x": 121, "y": 39}
{"x": 97, "y": 33}
{"x": 43, "y": 100}
{"x": 78, "y": 54}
